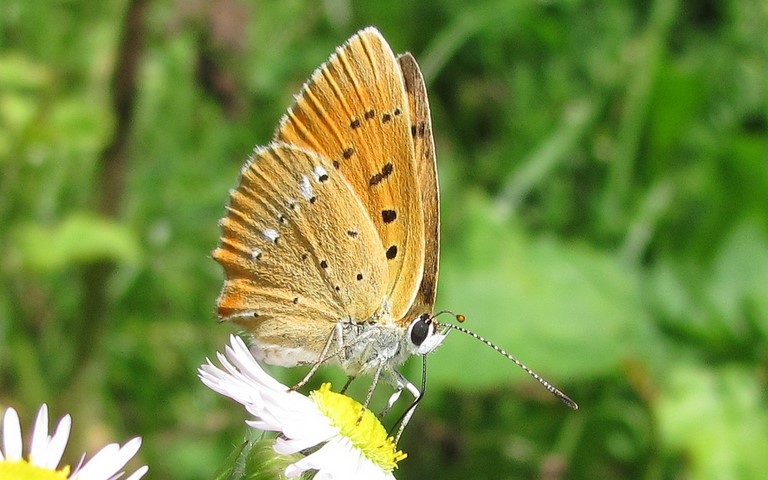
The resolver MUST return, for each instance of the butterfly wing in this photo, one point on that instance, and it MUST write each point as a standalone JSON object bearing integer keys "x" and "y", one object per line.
{"x": 426, "y": 172}
{"x": 299, "y": 253}
{"x": 354, "y": 112}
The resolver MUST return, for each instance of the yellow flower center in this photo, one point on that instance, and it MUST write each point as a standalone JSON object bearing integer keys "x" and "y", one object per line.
{"x": 360, "y": 425}
{"x": 23, "y": 470}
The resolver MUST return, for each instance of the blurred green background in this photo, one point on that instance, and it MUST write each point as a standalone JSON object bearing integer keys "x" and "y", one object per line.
{"x": 604, "y": 175}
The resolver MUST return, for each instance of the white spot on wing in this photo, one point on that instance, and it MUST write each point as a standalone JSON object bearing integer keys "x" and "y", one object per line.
{"x": 271, "y": 234}
{"x": 255, "y": 253}
{"x": 306, "y": 188}
{"x": 320, "y": 172}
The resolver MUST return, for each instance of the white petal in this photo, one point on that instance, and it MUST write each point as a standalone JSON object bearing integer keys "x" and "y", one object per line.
{"x": 334, "y": 458}
{"x": 58, "y": 442}
{"x": 367, "y": 469}
{"x": 225, "y": 384}
{"x": 242, "y": 357}
{"x": 138, "y": 473}
{"x": 241, "y": 378}
{"x": 11, "y": 435}
{"x": 292, "y": 445}
{"x": 108, "y": 461}
{"x": 131, "y": 448}
{"x": 40, "y": 438}
{"x": 284, "y": 407}
{"x": 95, "y": 467}
{"x": 288, "y": 414}
{"x": 316, "y": 424}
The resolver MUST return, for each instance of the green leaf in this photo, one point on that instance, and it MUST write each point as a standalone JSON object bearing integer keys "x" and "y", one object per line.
{"x": 722, "y": 305}
{"x": 564, "y": 309}
{"x": 738, "y": 289}
{"x": 80, "y": 238}
{"x": 716, "y": 419}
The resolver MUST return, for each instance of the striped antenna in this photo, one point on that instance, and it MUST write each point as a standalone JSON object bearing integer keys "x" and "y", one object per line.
{"x": 552, "y": 389}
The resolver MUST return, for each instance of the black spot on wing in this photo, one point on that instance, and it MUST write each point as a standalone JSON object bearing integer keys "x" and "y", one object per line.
{"x": 386, "y": 171}
{"x": 388, "y": 216}
{"x": 418, "y": 130}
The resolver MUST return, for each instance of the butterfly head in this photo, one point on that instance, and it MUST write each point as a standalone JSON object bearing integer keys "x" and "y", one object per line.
{"x": 424, "y": 334}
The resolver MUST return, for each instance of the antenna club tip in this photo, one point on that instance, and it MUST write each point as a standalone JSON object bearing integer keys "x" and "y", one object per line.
{"x": 460, "y": 318}
{"x": 570, "y": 403}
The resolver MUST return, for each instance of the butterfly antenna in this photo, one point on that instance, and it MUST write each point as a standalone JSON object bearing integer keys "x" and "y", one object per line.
{"x": 552, "y": 389}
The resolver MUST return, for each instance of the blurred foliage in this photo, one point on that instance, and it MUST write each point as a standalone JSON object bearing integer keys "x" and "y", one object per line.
{"x": 604, "y": 174}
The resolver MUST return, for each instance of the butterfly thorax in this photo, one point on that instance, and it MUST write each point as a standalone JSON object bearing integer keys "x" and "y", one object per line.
{"x": 365, "y": 347}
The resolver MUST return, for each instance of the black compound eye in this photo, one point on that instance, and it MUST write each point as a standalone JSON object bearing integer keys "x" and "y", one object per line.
{"x": 420, "y": 329}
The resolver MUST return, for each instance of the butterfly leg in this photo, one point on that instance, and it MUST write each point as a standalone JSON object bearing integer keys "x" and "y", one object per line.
{"x": 323, "y": 357}
{"x": 391, "y": 402}
{"x": 350, "y": 378}
{"x": 374, "y": 382}
{"x": 401, "y": 383}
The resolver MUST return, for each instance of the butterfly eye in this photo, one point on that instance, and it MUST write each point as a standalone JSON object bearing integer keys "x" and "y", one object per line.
{"x": 421, "y": 328}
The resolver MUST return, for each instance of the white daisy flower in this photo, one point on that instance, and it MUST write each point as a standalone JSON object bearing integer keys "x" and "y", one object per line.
{"x": 42, "y": 460}
{"x": 348, "y": 440}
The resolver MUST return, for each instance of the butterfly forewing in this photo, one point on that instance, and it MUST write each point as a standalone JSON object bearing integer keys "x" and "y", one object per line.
{"x": 354, "y": 112}
{"x": 298, "y": 250}
{"x": 426, "y": 172}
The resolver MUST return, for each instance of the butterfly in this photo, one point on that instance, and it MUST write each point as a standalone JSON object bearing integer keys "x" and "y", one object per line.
{"x": 330, "y": 241}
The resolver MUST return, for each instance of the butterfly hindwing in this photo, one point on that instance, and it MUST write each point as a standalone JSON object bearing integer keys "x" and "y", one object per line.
{"x": 297, "y": 244}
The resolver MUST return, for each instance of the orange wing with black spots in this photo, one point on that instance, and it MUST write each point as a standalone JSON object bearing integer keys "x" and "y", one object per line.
{"x": 355, "y": 112}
